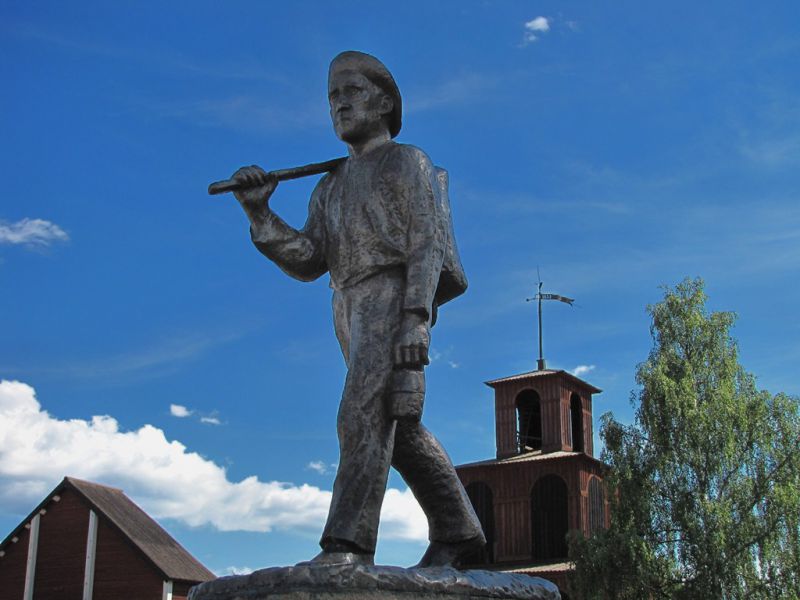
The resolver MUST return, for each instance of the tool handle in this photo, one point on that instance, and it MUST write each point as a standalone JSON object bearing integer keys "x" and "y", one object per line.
{"x": 229, "y": 185}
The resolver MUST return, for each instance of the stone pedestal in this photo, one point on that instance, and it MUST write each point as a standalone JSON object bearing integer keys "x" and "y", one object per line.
{"x": 308, "y": 582}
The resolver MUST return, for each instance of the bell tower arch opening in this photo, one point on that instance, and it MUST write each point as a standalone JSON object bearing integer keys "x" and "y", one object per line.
{"x": 529, "y": 421}
{"x": 549, "y": 518}
{"x": 576, "y": 416}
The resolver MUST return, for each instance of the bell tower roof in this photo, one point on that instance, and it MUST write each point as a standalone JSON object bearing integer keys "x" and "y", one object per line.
{"x": 577, "y": 381}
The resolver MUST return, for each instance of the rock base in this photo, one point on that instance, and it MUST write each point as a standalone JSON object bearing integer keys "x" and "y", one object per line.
{"x": 350, "y": 582}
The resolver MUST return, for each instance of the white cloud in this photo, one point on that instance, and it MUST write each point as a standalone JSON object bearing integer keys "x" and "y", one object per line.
{"x": 163, "y": 476}
{"x": 234, "y": 571}
{"x": 402, "y": 518}
{"x": 31, "y": 232}
{"x": 180, "y": 411}
{"x": 581, "y": 370}
{"x": 317, "y": 466}
{"x": 533, "y": 28}
{"x": 177, "y": 410}
{"x": 437, "y": 357}
{"x": 538, "y": 24}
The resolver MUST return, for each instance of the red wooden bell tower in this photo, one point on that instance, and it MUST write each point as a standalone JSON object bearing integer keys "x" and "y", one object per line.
{"x": 544, "y": 481}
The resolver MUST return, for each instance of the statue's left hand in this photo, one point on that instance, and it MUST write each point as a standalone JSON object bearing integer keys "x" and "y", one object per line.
{"x": 413, "y": 340}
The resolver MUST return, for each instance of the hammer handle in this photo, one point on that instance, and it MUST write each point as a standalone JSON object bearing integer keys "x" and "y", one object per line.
{"x": 229, "y": 185}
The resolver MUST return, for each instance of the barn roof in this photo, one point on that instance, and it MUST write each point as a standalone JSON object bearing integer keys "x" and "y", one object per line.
{"x": 158, "y": 546}
{"x": 544, "y": 373}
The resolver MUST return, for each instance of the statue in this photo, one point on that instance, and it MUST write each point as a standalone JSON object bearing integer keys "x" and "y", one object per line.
{"x": 379, "y": 224}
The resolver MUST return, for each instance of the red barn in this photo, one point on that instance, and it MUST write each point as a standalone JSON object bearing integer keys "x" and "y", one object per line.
{"x": 544, "y": 481}
{"x": 87, "y": 541}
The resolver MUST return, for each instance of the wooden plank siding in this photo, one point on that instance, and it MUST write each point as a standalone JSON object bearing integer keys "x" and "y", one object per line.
{"x": 555, "y": 392}
{"x": 505, "y": 415}
{"x": 12, "y": 567}
{"x": 588, "y": 437}
{"x": 61, "y": 557}
{"x": 511, "y": 486}
{"x": 135, "y": 558}
{"x": 137, "y": 579}
{"x": 512, "y": 477}
{"x": 180, "y": 590}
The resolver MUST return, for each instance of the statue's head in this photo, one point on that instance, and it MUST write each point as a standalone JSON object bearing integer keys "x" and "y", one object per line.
{"x": 363, "y": 97}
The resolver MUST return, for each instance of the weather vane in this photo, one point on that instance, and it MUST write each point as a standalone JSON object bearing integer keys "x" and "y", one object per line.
{"x": 540, "y": 364}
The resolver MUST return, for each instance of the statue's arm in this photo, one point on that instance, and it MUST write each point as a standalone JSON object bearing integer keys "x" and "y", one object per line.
{"x": 300, "y": 254}
{"x": 426, "y": 236}
{"x": 413, "y": 180}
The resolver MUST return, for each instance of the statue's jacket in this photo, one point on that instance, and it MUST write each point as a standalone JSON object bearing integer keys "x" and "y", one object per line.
{"x": 387, "y": 209}
{"x": 379, "y": 224}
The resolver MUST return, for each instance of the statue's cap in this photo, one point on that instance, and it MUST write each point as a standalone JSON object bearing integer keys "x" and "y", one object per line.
{"x": 374, "y": 70}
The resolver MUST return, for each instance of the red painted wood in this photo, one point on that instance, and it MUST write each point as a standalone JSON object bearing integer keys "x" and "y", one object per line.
{"x": 180, "y": 590}
{"x": 120, "y": 570}
{"x": 61, "y": 557}
{"x": 511, "y": 486}
{"x": 511, "y": 483}
{"x": 12, "y": 568}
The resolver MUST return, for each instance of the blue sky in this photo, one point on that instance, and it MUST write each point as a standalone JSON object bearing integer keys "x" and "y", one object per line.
{"x": 618, "y": 146}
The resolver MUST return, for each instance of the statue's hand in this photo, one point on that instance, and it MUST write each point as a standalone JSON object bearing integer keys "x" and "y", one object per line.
{"x": 257, "y": 187}
{"x": 413, "y": 340}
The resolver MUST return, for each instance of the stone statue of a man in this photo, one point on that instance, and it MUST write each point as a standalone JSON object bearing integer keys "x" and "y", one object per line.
{"x": 376, "y": 224}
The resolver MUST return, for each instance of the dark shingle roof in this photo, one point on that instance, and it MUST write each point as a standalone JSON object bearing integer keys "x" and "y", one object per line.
{"x": 159, "y": 547}
{"x": 543, "y": 373}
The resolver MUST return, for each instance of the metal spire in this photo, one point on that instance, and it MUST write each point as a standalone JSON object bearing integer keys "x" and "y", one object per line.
{"x": 541, "y": 365}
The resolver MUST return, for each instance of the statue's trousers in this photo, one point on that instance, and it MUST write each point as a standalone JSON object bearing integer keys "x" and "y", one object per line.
{"x": 367, "y": 317}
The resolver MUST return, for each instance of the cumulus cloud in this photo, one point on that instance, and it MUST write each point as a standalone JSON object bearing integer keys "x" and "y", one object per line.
{"x": 533, "y": 28}
{"x": 180, "y": 411}
{"x": 31, "y": 232}
{"x": 161, "y": 475}
{"x": 210, "y": 420}
{"x": 402, "y": 518}
{"x": 582, "y": 370}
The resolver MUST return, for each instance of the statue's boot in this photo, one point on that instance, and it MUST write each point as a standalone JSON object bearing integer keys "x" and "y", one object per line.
{"x": 338, "y": 552}
{"x": 330, "y": 559}
{"x": 449, "y": 554}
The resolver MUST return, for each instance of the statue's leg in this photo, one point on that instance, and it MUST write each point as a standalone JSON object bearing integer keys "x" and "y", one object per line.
{"x": 367, "y": 317}
{"x": 426, "y": 467}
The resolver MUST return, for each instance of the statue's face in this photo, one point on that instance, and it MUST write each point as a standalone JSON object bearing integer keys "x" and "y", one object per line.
{"x": 357, "y": 107}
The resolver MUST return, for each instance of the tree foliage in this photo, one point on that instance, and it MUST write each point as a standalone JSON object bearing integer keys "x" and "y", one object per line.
{"x": 705, "y": 485}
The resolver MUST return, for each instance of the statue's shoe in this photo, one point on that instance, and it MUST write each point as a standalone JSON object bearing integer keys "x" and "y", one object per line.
{"x": 331, "y": 559}
{"x": 444, "y": 554}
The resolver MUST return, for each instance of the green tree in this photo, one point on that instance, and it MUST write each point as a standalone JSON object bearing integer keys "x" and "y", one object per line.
{"x": 705, "y": 485}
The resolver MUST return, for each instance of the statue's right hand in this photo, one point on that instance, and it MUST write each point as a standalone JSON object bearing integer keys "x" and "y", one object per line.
{"x": 256, "y": 188}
